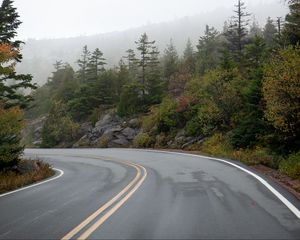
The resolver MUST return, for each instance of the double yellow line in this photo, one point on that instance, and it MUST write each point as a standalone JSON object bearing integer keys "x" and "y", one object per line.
{"x": 114, "y": 204}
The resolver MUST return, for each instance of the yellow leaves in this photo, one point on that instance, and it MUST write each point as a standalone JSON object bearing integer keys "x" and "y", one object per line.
{"x": 282, "y": 90}
{"x": 7, "y": 58}
{"x": 11, "y": 121}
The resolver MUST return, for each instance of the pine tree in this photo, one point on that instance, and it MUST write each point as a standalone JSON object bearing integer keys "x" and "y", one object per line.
{"x": 132, "y": 63}
{"x": 237, "y": 30}
{"x": 83, "y": 64}
{"x": 9, "y": 23}
{"x": 292, "y": 26}
{"x": 154, "y": 83}
{"x": 208, "y": 50}
{"x": 188, "y": 57}
{"x": 270, "y": 32}
{"x": 11, "y": 83}
{"x": 189, "y": 50}
{"x": 170, "y": 60}
{"x": 95, "y": 66}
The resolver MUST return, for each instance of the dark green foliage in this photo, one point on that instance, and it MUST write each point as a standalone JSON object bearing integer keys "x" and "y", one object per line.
{"x": 131, "y": 101}
{"x": 208, "y": 53}
{"x": 59, "y": 128}
{"x": 237, "y": 30}
{"x": 292, "y": 26}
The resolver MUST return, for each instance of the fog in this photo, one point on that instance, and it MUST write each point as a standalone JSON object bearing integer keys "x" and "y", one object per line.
{"x": 69, "y": 18}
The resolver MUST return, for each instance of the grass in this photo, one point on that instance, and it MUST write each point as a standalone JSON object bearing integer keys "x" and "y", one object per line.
{"x": 11, "y": 180}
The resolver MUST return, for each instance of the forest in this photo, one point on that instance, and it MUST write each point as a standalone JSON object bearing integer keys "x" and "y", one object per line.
{"x": 236, "y": 94}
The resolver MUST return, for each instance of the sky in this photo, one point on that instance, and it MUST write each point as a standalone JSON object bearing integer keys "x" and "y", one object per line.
{"x": 70, "y": 18}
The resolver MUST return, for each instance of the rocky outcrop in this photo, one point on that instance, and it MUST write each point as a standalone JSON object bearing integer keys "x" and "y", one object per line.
{"x": 110, "y": 131}
{"x": 32, "y": 135}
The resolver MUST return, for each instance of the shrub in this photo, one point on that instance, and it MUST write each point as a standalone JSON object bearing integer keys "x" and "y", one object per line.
{"x": 291, "y": 165}
{"x": 11, "y": 123}
{"x": 281, "y": 90}
{"x": 168, "y": 115}
{"x": 143, "y": 140}
{"x": 59, "y": 127}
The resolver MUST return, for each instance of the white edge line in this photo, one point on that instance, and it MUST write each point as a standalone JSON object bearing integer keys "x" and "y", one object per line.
{"x": 61, "y": 172}
{"x": 260, "y": 179}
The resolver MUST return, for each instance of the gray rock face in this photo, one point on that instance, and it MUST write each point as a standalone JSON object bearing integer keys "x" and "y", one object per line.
{"x": 110, "y": 131}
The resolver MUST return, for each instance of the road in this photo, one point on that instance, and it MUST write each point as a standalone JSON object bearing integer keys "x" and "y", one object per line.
{"x": 137, "y": 194}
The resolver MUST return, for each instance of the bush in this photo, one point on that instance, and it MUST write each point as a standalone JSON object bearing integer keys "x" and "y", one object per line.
{"x": 11, "y": 123}
{"x": 168, "y": 115}
{"x": 143, "y": 140}
{"x": 281, "y": 90}
{"x": 291, "y": 165}
{"x": 59, "y": 129}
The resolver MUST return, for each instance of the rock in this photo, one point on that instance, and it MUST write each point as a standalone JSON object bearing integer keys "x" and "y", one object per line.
{"x": 85, "y": 128}
{"x": 27, "y": 166}
{"x": 134, "y": 123}
{"x": 115, "y": 129}
{"x": 129, "y": 133}
{"x": 82, "y": 142}
{"x": 121, "y": 141}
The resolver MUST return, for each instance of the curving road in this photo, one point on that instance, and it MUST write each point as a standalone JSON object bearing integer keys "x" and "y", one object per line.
{"x": 136, "y": 194}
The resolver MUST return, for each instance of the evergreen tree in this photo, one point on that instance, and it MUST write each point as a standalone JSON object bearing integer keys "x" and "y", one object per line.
{"x": 208, "y": 50}
{"x": 83, "y": 64}
{"x": 238, "y": 30}
{"x": 132, "y": 63}
{"x": 170, "y": 60}
{"x": 188, "y": 57}
{"x": 144, "y": 46}
{"x": 189, "y": 50}
{"x": 269, "y": 32}
{"x": 154, "y": 84}
{"x": 95, "y": 66}
{"x": 292, "y": 26}
{"x": 9, "y": 23}
{"x": 11, "y": 83}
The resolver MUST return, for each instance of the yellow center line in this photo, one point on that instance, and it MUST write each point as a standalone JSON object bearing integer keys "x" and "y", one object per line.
{"x": 78, "y": 228}
{"x": 97, "y": 224}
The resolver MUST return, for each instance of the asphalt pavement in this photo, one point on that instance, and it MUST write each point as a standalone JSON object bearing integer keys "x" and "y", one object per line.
{"x": 137, "y": 194}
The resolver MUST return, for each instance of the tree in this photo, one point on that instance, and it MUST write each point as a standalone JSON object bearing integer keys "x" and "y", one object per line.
{"x": 144, "y": 46}
{"x": 237, "y": 30}
{"x": 11, "y": 124}
{"x": 132, "y": 63}
{"x": 83, "y": 64}
{"x": 281, "y": 90}
{"x": 11, "y": 83}
{"x": 170, "y": 60}
{"x": 292, "y": 25}
{"x": 9, "y": 23}
{"x": 269, "y": 32}
{"x": 188, "y": 56}
{"x": 208, "y": 50}
{"x": 154, "y": 85}
{"x": 95, "y": 66}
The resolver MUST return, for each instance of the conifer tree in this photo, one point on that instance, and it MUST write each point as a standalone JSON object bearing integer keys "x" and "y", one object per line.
{"x": 208, "y": 50}
{"x": 11, "y": 83}
{"x": 95, "y": 66}
{"x": 83, "y": 64}
{"x": 238, "y": 30}
{"x": 171, "y": 60}
{"x": 269, "y": 32}
{"x": 292, "y": 25}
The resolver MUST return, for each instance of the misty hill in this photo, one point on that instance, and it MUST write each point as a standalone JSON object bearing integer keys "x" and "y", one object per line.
{"x": 39, "y": 55}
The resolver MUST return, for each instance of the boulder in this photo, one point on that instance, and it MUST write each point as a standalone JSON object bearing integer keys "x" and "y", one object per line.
{"x": 134, "y": 123}
{"x": 129, "y": 133}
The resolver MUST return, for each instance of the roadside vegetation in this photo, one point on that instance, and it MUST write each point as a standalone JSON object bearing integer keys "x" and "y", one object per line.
{"x": 235, "y": 94}
{"x": 13, "y": 102}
